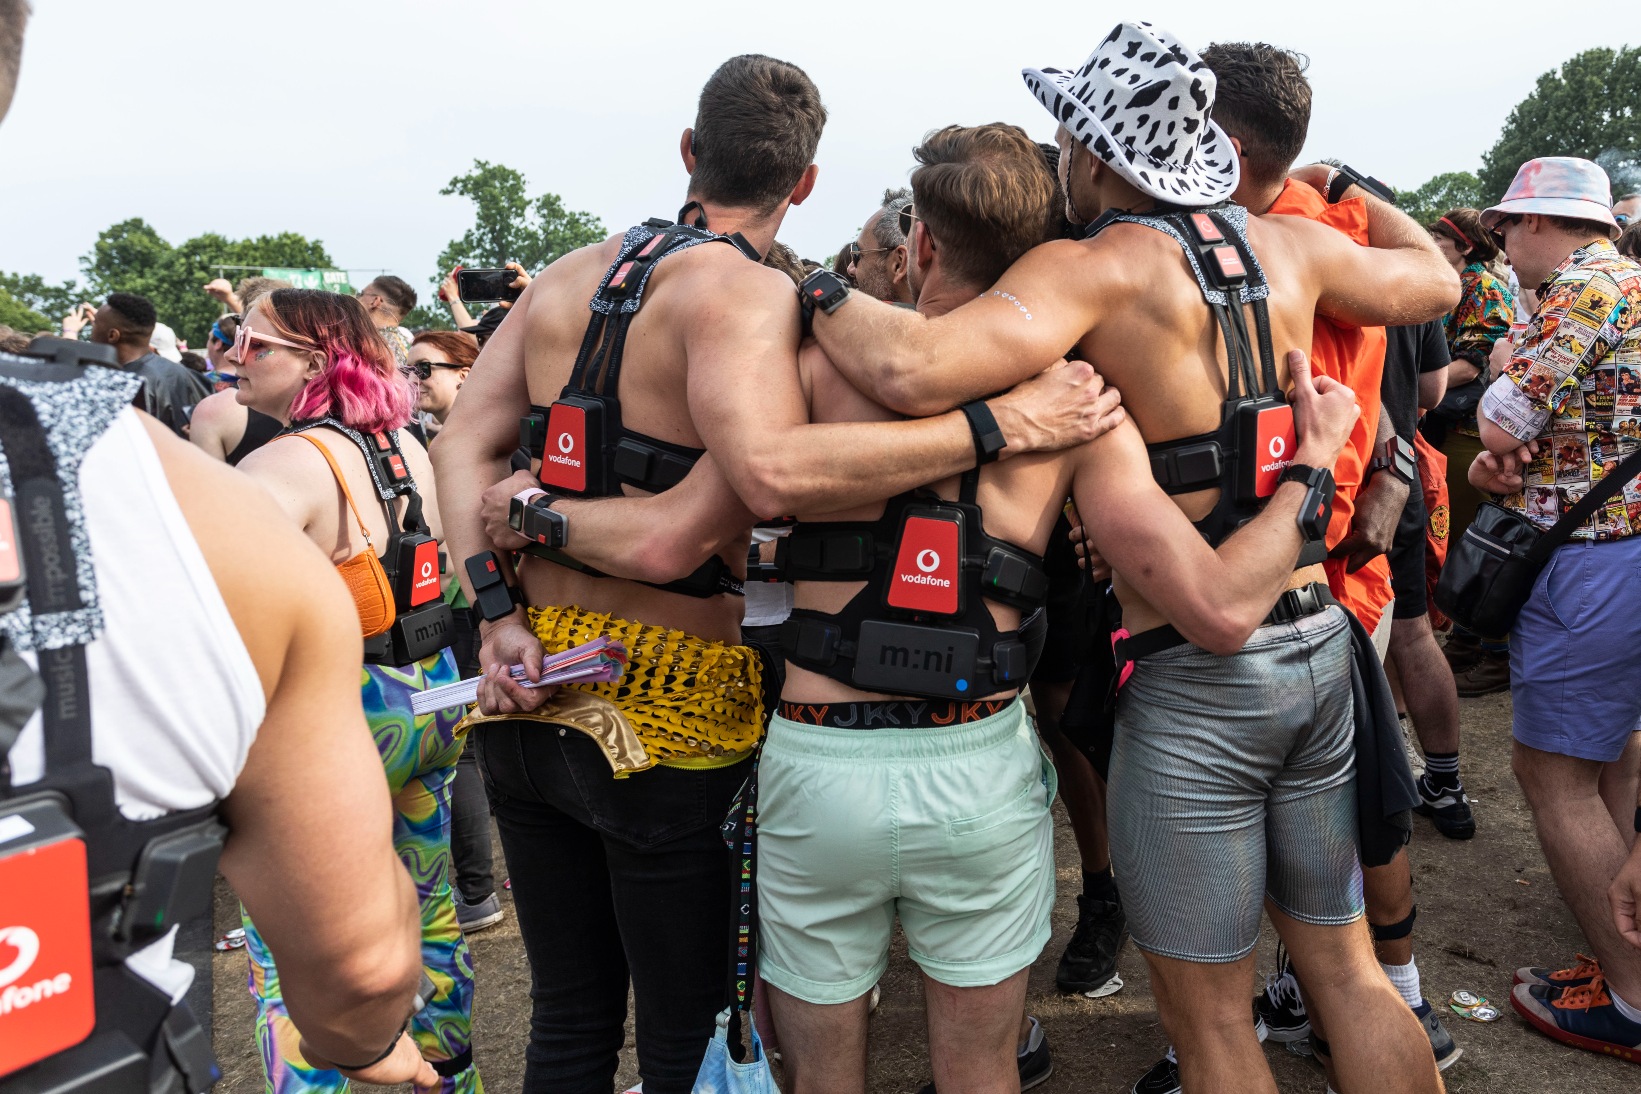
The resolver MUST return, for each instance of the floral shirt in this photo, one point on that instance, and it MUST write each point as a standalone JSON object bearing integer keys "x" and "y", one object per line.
{"x": 398, "y": 340}
{"x": 1574, "y": 385}
{"x": 1485, "y": 311}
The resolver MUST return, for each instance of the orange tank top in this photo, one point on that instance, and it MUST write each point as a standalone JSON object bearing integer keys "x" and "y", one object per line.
{"x": 366, "y": 580}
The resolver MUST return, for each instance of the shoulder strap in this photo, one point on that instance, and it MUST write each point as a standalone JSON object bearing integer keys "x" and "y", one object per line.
{"x": 1585, "y": 509}
{"x": 34, "y": 479}
{"x": 341, "y": 481}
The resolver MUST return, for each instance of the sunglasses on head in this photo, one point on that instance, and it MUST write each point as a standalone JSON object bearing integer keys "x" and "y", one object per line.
{"x": 244, "y": 336}
{"x": 424, "y": 369}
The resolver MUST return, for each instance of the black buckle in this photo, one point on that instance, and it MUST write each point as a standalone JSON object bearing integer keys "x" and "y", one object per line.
{"x": 1298, "y": 603}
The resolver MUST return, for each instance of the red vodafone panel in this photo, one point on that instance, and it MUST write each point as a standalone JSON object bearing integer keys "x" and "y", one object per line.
{"x": 926, "y": 566}
{"x": 46, "y": 1002}
{"x": 1276, "y": 442}
{"x": 564, "y": 457}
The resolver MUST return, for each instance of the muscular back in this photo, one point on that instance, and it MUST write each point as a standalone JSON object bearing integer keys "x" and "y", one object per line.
{"x": 654, "y": 400}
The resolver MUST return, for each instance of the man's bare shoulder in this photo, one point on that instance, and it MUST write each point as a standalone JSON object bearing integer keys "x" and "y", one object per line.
{"x": 721, "y": 282}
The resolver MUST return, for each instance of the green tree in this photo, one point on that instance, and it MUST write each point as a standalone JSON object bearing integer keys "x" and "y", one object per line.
{"x": 32, "y": 292}
{"x": 20, "y": 317}
{"x": 511, "y": 226}
{"x": 430, "y": 316}
{"x": 1453, "y": 190}
{"x": 1589, "y": 106}
{"x": 132, "y": 257}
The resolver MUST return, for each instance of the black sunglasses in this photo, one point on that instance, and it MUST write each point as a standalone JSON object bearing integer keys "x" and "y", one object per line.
{"x": 906, "y": 218}
{"x": 424, "y": 369}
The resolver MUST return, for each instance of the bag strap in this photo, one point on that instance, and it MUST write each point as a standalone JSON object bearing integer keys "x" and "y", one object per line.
{"x": 340, "y": 481}
{"x": 1586, "y": 507}
{"x": 740, "y": 831}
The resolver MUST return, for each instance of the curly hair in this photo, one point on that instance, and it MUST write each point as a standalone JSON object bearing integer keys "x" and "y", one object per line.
{"x": 1463, "y": 227}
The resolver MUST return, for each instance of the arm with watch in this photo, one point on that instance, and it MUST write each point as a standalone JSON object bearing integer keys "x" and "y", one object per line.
{"x": 1215, "y": 597}
{"x": 1390, "y": 475}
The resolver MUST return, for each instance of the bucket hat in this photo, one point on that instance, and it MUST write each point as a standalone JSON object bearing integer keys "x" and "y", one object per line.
{"x": 1562, "y": 186}
{"x": 1140, "y": 103}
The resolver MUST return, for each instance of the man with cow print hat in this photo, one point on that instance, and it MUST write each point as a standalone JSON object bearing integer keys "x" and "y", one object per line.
{"x": 1261, "y": 739}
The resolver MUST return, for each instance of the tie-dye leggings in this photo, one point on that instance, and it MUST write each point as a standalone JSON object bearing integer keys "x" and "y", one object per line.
{"x": 419, "y": 754}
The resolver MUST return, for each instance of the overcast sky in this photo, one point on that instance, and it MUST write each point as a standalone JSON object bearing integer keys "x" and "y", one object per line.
{"x": 341, "y": 119}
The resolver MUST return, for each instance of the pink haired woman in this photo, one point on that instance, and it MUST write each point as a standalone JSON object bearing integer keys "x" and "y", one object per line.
{"x": 346, "y": 470}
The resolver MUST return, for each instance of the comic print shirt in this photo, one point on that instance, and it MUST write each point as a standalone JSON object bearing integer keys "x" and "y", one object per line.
{"x": 1574, "y": 385}
{"x": 1485, "y": 312}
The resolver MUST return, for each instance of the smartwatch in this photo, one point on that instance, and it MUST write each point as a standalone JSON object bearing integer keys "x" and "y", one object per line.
{"x": 1345, "y": 176}
{"x": 1395, "y": 456}
{"x": 1317, "y": 506}
{"x": 536, "y": 520}
{"x": 822, "y": 289}
{"x": 493, "y": 598}
{"x": 988, "y": 439}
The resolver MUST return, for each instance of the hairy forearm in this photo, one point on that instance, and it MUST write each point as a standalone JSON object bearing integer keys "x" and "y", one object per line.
{"x": 826, "y": 467}
{"x": 660, "y": 538}
{"x": 1461, "y": 372}
{"x": 1255, "y": 565}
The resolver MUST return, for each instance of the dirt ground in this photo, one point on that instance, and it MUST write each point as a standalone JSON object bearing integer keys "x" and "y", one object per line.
{"x": 1485, "y": 907}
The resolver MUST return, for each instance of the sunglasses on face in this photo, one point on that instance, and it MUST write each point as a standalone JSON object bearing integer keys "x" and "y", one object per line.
{"x": 856, "y": 250}
{"x": 424, "y": 369}
{"x": 1623, "y": 219}
{"x": 244, "y": 336}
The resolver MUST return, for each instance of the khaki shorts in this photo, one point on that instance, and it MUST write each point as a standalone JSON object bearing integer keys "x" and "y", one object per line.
{"x": 947, "y": 828}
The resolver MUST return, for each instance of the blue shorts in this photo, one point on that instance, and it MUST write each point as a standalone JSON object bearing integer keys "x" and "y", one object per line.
{"x": 1574, "y": 652}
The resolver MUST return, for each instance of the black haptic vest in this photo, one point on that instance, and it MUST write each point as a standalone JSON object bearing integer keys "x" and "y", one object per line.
{"x": 423, "y": 623}
{"x": 134, "y": 880}
{"x": 1255, "y": 441}
{"x": 585, "y": 449}
{"x": 920, "y": 626}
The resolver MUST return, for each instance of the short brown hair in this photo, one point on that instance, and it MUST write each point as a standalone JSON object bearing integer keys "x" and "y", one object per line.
{"x": 986, "y": 195}
{"x": 1630, "y": 242}
{"x": 251, "y": 289}
{"x": 757, "y": 126}
{"x": 462, "y": 348}
{"x": 1264, "y": 101}
{"x": 396, "y": 291}
{"x": 1576, "y": 226}
{"x": 1463, "y": 227}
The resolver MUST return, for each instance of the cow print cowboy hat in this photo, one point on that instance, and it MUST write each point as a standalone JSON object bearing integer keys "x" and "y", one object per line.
{"x": 1140, "y": 103}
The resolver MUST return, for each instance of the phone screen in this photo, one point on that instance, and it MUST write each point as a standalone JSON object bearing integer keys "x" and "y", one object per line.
{"x": 486, "y": 286}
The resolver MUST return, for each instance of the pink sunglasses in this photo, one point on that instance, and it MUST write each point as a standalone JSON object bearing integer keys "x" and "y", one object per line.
{"x": 245, "y": 335}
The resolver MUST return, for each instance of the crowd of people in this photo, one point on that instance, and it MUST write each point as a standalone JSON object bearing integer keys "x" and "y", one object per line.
{"x": 1121, "y": 470}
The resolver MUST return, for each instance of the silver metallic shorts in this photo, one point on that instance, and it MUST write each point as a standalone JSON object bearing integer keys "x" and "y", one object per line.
{"x": 1233, "y": 780}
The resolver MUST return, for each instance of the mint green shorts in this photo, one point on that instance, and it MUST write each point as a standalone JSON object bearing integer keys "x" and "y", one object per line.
{"x": 948, "y": 828}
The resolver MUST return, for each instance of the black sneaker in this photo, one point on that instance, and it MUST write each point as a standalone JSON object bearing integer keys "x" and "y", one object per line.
{"x": 1441, "y": 1042}
{"x": 1281, "y": 1009}
{"x": 1089, "y": 965}
{"x": 1163, "y": 1078}
{"x": 1450, "y": 809}
{"x": 1036, "y": 1065}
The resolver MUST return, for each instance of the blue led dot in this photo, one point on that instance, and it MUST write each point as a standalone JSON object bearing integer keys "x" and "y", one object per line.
{"x": 962, "y": 685}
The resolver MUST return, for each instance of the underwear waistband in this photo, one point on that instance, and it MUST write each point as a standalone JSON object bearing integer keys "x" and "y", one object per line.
{"x": 894, "y": 713}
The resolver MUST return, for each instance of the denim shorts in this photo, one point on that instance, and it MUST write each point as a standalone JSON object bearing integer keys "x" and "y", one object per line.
{"x": 949, "y": 828}
{"x": 1233, "y": 781}
{"x": 1573, "y": 652}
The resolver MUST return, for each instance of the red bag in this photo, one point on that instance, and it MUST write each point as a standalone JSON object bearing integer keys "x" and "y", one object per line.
{"x": 1433, "y": 481}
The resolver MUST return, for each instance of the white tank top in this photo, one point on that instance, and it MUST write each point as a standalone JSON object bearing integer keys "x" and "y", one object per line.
{"x": 175, "y": 698}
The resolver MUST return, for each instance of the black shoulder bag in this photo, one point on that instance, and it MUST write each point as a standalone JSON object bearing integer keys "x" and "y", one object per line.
{"x": 1490, "y": 571}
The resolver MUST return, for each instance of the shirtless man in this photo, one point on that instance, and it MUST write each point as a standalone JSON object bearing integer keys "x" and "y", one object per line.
{"x": 710, "y": 360}
{"x": 1133, "y": 139}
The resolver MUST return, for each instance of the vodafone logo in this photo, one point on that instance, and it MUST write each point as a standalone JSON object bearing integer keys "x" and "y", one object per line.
{"x": 566, "y": 443}
{"x": 15, "y": 996}
{"x": 928, "y": 561}
{"x": 27, "y": 945}
{"x": 427, "y": 571}
{"x": 1279, "y": 447}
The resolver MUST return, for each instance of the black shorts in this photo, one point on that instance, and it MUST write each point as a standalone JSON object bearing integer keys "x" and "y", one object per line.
{"x": 1407, "y": 559}
{"x": 1066, "y": 646}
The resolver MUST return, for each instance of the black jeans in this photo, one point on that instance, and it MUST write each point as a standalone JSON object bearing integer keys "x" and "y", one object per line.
{"x": 613, "y": 879}
{"x": 471, "y": 856}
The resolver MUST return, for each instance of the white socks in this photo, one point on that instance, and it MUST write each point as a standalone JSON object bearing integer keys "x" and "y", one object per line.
{"x": 1632, "y": 1013}
{"x": 1406, "y": 980}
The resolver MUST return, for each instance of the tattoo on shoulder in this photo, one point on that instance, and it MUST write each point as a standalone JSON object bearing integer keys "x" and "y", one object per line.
{"x": 1012, "y": 299}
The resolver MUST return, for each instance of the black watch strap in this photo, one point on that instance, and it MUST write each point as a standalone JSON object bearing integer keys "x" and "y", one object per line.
{"x": 1348, "y": 176}
{"x": 1300, "y": 472}
{"x": 988, "y": 439}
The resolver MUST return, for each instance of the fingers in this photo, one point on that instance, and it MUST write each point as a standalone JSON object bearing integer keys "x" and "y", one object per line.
{"x": 1299, "y": 367}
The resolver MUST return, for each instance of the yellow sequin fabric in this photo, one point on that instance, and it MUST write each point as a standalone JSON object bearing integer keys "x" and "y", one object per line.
{"x": 688, "y": 699}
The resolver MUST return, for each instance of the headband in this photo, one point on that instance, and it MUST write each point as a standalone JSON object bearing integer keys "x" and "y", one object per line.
{"x": 1455, "y": 227}
{"x": 216, "y": 332}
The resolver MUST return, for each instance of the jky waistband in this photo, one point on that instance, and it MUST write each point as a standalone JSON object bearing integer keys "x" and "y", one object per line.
{"x": 894, "y": 713}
